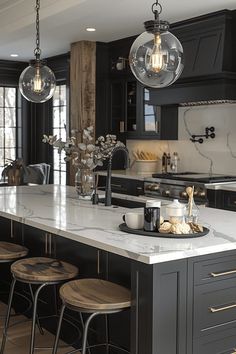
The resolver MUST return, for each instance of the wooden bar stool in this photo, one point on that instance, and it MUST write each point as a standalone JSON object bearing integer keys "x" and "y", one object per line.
{"x": 38, "y": 271}
{"x": 93, "y": 296}
{"x": 10, "y": 252}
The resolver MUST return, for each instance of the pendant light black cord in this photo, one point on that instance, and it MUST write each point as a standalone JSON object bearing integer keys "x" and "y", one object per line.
{"x": 37, "y": 51}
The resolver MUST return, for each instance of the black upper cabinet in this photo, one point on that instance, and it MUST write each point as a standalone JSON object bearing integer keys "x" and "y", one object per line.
{"x": 136, "y": 115}
{"x": 155, "y": 121}
{"x": 207, "y": 43}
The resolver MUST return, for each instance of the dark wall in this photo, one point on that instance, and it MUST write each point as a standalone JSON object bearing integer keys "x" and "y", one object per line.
{"x": 10, "y": 72}
{"x": 39, "y": 115}
{"x": 36, "y": 118}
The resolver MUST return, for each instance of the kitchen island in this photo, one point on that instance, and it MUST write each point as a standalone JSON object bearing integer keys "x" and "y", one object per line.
{"x": 183, "y": 291}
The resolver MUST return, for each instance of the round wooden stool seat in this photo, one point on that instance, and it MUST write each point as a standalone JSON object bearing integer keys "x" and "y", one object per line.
{"x": 11, "y": 251}
{"x": 95, "y": 295}
{"x": 43, "y": 270}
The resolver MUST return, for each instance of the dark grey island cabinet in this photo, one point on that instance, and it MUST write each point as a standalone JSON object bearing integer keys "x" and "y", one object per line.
{"x": 185, "y": 306}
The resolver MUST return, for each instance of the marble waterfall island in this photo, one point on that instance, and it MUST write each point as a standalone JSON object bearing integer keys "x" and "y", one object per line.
{"x": 57, "y": 209}
{"x": 183, "y": 290}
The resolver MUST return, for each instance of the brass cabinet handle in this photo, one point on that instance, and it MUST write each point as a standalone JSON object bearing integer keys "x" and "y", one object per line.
{"x": 224, "y": 308}
{"x": 50, "y": 244}
{"x": 12, "y": 228}
{"x": 98, "y": 262}
{"x": 46, "y": 243}
{"x": 215, "y": 275}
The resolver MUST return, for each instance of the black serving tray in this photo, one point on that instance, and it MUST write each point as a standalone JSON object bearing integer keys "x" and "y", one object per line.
{"x": 125, "y": 228}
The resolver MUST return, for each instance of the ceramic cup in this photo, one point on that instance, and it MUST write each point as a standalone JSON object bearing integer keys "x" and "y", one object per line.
{"x": 134, "y": 220}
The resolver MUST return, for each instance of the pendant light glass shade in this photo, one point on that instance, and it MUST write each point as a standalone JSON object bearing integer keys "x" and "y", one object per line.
{"x": 156, "y": 56}
{"x": 37, "y": 82}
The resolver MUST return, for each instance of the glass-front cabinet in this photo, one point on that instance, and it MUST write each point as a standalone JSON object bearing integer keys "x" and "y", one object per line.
{"x": 150, "y": 115}
{"x": 123, "y": 108}
{"x": 131, "y": 106}
{"x": 136, "y": 115}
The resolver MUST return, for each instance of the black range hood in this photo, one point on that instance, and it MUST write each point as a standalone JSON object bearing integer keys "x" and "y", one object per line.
{"x": 209, "y": 75}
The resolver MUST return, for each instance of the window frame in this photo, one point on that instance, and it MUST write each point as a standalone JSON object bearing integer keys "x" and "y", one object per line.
{"x": 18, "y": 124}
{"x": 61, "y": 83}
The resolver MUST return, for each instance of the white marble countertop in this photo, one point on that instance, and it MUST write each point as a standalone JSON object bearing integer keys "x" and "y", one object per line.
{"x": 225, "y": 186}
{"x": 134, "y": 198}
{"x": 58, "y": 210}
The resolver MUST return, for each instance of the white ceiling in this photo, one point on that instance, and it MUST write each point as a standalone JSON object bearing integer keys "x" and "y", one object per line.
{"x": 64, "y": 21}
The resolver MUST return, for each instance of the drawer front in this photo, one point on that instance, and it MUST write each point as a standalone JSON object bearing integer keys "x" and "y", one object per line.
{"x": 127, "y": 186}
{"x": 214, "y": 306}
{"x": 120, "y": 185}
{"x": 123, "y": 185}
{"x": 215, "y": 270}
{"x": 229, "y": 201}
{"x": 222, "y": 343}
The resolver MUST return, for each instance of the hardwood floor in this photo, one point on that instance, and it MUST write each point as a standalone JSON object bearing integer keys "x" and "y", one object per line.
{"x": 19, "y": 336}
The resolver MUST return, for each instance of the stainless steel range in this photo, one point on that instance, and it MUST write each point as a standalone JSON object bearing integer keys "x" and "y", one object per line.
{"x": 171, "y": 186}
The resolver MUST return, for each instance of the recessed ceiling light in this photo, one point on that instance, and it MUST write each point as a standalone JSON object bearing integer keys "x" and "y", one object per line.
{"x": 14, "y": 55}
{"x": 90, "y": 29}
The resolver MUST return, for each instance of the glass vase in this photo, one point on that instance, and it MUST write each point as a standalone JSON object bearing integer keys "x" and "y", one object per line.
{"x": 192, "y": 213}
{"x": 85, "y": 183}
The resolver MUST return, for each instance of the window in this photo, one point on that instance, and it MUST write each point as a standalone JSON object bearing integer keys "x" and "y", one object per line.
{"x": 59, "y": 129}
{"x": 9, "y": 133}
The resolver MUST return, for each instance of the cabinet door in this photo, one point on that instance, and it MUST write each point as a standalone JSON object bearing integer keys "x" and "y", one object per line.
{"x": 150, "y": 115}
{"x": 131, "y": 124}
{"x": 155, "y": 121}
{"x": 229, "y": 200}
{"x": 158, "y": 309}
{"x": 117, "y": 125}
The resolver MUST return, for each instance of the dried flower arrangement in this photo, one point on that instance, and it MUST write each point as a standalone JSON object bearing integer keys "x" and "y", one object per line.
{"x": 85, "y": 154}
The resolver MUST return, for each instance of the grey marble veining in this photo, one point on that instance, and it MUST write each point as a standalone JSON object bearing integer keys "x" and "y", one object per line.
{"x": 58, "y": 210}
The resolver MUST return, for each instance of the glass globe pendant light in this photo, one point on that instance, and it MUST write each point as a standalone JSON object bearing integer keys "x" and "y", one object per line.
{"x": 37, "y": 82}
{"x": 156, "y": 56}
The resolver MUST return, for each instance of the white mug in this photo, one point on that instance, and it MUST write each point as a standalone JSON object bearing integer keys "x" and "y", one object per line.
{"x": 134, "y": 220}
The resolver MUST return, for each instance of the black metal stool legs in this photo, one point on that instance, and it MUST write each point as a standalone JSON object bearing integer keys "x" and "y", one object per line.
{"x": 107, "y": 334}
{"x": 34, "y": 319}
{"x": 6, "y": 325}
{"x": 85, "y": 334}
{"x": 82, "y": 323}
{"x": 58, "y": 329}
{"x": 37, "y": 317}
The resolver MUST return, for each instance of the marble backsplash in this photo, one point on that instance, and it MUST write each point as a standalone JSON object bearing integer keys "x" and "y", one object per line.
{"x": 217, "y": 155}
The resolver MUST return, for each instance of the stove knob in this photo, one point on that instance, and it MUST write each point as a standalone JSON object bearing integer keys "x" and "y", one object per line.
{"x": 155, "y": 187}
{"x": 166, "y": 193}
{"x": 149, "y": 187}
{"x": 183, "y": 194}
{"x": 201, "y": 194}
{"x": 195, "y": 193}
